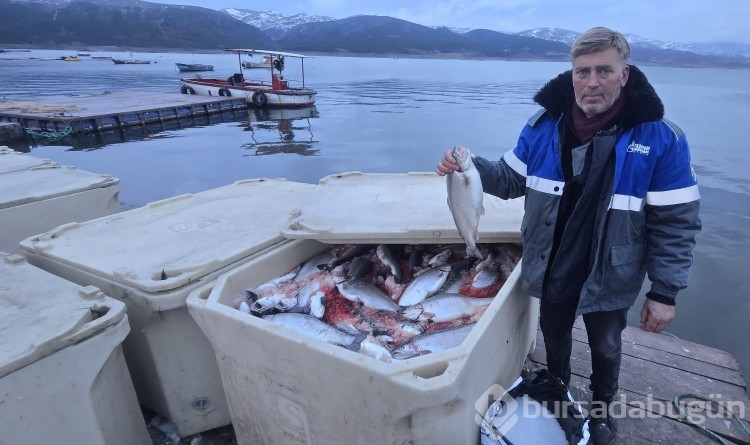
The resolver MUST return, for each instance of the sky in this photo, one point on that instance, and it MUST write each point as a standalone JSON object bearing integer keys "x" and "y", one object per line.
{"x": 681, "y": 21}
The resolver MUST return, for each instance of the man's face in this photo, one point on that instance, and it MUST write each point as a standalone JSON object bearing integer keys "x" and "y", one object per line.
{"x": 598, "y": 79}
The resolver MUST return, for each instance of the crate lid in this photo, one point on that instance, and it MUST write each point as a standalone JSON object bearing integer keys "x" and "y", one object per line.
{"x": 395, "y": 208}
{"x": 11, "y": 161}
{"x": 169, "y": 243}
{"x": 42, "y": 313}
{"x": 48, "y": 181}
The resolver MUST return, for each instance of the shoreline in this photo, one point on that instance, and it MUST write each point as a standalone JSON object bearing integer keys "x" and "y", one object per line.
{"x": 14, "y": 48}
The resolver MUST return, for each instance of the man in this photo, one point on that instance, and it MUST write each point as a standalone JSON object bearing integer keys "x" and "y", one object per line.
{"x": 609, "y": 196}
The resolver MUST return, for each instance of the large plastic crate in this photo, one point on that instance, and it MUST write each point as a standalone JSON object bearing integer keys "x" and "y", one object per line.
{"x": 151, "y": 258}
{"x": 37, "y": 195}
{"x": 286, "y": 388}
{"x": 63, "y": 377}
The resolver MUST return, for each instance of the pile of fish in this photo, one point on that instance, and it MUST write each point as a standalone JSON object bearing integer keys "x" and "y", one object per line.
{"x": 388, "y": 301}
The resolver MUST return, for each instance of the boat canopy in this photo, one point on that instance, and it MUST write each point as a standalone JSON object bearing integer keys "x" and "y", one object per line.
{"x": 250, "y": 52}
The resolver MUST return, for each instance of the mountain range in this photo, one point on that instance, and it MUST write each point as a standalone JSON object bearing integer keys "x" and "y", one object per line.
{"x": 132, "y": 24}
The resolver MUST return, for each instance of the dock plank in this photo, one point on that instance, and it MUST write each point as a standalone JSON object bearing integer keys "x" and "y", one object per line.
{"x": 660, "y": 382}
{"x": 693, "y": 363}
{"x": 642, "y": 426}
{"x": 675, "y": 346}
{"x": 643, "y": 381}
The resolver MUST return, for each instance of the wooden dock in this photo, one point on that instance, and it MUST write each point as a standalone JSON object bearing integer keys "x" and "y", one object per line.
{"x": 99, "y": 112}
{"x": 656, "y": 368}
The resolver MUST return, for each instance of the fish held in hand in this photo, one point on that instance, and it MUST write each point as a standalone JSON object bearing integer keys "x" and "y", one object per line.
{"x": 465, "y": 199}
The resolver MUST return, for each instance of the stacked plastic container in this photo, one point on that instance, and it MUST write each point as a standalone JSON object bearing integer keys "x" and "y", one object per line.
{"x": 151, "y": 258}
{"x": 63, "y": 377}
{"x": 286, "y": 388}
{"x": 37, "y": 195}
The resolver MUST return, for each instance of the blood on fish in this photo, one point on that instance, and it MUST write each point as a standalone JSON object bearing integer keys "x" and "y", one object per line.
{"x": 467, "y": 290}
{"x": 380, "y": 323}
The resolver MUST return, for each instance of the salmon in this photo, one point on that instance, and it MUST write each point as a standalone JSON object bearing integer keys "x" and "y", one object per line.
{"x": 465, "y": 195}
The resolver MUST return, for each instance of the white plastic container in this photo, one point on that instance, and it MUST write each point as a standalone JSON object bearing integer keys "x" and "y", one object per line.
{"x": 286, "y": 388}
{"x": 35, "y": 197}
{"x": 151, "y": 258}
{"x": 11, "y": 160}
{"x": 63, "y": 377}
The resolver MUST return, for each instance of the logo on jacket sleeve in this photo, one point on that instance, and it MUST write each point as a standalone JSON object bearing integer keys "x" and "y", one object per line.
{"x": 638, "y": 148}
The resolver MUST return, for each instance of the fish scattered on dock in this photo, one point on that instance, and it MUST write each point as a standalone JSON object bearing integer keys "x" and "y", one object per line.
{"x": 465, "y": 199}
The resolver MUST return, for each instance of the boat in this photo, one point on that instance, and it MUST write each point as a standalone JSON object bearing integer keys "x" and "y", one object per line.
{"x": 274, "y": 93}
{"x": 70, "y": 58}
{"x": 267, "y": 62}
{"x": 194, "y": 67}
{"x": 84, "y": 54}
{"x": 130, "y": 62}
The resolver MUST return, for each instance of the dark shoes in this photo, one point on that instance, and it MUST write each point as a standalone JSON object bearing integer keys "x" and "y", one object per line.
{"x": 603, "y": 431}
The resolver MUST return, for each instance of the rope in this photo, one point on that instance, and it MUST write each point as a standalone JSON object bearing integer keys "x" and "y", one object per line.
{"x": 50, "y": 135}
{"x": 701, "y": 427}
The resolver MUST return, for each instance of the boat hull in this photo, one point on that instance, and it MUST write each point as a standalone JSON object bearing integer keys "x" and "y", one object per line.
{"x": 130, "y": 62}
{"x": 194, "y": 67}
{"x": 256, "y": 94}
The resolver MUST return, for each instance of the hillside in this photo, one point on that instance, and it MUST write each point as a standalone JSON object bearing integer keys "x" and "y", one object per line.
{"x": 128, "y": 24}
{"x": 139, "y": 24}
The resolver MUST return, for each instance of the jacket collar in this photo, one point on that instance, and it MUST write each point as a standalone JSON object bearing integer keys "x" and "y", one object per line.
{"x": 642, "y": 104}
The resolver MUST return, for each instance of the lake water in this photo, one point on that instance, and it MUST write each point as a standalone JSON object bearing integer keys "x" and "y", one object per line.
{"x": 399, "y": 115}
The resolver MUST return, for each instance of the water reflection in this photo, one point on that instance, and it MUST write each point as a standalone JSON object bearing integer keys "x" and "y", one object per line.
{"x": 152, "y": 130}
{"x": 398, "y": 94}
{"x": 275, "y": 131}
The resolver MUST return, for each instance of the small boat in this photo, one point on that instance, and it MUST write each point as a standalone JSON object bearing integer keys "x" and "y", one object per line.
{"x": 194, "y": 67}
{"x": 84, "y": 54}
{"x": 130, "y": 62}
{"x": 276, "y": 93}
{"x": 70, "y": 58}
{"x": 267, "y": 62}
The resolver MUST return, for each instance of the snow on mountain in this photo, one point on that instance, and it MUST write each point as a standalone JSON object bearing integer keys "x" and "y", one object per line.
{"x": 636, "y": 41}
{"x": 266, "y": 20}
{"x": 555, "y": 34}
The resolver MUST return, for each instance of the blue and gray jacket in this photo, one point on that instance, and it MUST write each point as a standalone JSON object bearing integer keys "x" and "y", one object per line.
{"x": 648, "y": 219}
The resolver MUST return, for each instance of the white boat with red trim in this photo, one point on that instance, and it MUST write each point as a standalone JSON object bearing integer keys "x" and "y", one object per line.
{"x": 277, "y": 92}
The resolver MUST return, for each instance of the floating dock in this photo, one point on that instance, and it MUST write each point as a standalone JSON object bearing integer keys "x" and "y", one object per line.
{"x": 655, "y": 369}
{"x": 10, "y": 130}
{"x": 100, "y": 112}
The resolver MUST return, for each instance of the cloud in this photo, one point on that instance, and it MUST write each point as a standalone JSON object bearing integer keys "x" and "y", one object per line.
{"x": 683, "y": 21}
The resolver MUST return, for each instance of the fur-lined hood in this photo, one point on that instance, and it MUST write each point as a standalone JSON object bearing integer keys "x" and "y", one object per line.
{"x": 642, "y": 104}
